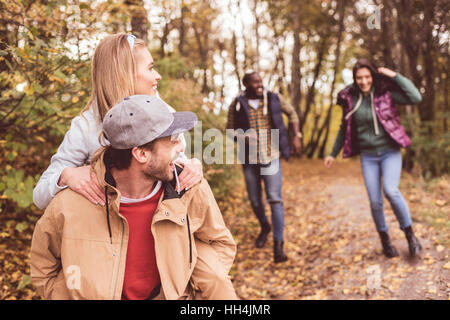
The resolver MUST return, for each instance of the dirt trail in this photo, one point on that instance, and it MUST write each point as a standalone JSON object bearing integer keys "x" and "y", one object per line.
{"x": 334, "y": 249}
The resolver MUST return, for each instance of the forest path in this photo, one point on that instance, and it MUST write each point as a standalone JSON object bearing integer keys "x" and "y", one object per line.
{"x": 333, "y": 247}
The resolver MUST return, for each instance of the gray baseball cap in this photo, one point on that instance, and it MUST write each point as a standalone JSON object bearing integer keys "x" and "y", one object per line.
{"x": 139, "y": 119}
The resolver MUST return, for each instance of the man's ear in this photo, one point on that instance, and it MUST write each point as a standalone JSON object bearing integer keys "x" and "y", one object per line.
{"x": 140, "y": 154}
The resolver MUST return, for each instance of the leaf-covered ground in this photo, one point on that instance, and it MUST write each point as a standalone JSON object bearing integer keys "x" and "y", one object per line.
{"x": 332, "y": 243}
{"x": 333, "y": 248}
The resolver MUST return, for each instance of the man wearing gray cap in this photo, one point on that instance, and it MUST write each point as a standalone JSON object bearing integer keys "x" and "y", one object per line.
{"x": 150, "y": 241}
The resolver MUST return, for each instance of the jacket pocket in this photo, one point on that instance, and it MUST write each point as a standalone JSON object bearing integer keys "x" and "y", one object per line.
{"x": 59, "y": 290}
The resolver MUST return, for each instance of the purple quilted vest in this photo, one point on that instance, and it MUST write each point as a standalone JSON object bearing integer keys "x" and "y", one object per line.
{"x": 386, "y": 112}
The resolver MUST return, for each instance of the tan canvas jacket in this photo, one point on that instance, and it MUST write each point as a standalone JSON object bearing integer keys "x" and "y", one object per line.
{"x": 76, "y": 253}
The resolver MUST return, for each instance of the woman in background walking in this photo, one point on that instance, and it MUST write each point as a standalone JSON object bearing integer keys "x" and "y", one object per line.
{"x": 371, "y": 127}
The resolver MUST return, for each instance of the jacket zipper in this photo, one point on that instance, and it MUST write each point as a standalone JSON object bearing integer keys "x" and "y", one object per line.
{"x": 117, "y": 263}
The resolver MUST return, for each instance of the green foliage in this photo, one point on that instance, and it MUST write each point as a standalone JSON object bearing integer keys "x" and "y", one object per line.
{"x": 431, "y": 150}
{"x": 26, "y": 281}
{"x": 43, "y": 86}
{"x": 172, "y": 67}
{"x": 22, "y": 226}
{"x": 18, "y": 188}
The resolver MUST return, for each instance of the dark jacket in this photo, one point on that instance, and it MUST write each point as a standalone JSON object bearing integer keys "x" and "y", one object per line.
{"x": 274, "y": 107}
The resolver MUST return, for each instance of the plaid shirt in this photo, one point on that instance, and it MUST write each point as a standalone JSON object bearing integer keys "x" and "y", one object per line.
{"x": 262, "y": 124}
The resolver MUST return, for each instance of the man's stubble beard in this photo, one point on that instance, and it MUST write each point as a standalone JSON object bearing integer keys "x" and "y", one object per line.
{"x": 158, "y": 171}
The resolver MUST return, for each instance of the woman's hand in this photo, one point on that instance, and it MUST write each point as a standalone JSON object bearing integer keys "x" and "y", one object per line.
{"x": 192, "y": 173}
{"x": 387, "y": 72}
{"x": 83, "y": 181}
{"x": 328, "y": 161}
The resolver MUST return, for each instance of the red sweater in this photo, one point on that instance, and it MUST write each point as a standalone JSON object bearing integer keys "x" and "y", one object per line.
{"x": 141, "y": 271}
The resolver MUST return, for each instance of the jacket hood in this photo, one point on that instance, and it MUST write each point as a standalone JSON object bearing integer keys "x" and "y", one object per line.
{"x": 381, "y": 83}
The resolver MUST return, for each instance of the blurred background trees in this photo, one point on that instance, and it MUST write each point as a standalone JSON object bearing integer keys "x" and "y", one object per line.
{"x": 303, "y": 49}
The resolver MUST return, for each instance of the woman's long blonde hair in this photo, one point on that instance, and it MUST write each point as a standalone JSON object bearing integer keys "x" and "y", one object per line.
{"x": 113, "y": 73}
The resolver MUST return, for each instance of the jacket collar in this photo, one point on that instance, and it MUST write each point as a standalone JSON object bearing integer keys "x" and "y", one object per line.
{"x": 171, "y": 205}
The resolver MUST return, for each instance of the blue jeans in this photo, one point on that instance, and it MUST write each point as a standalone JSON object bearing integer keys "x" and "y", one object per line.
{"x": 384, "y": 169}
{"x": 253, "y": 174}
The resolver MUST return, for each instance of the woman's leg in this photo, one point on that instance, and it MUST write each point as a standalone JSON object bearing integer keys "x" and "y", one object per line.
{"x": 372, "y": 175}
{"x": 391, "y": 168}
{"x": 371, "y": 168}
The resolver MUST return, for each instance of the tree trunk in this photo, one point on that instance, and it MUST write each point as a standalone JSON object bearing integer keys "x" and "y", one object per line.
{"x": 235, "y": 54}
{"x": 246, "y": 64}
{"x": 335, "y": 72}
{"x": 387, "y": 34}
{"x": 164, "y": 39}
{"x": 311, "y": 91}
{"x": 426, "y": 108}
{"x": 295, "y": 66}
{"x": 202, "y": 48}
{"x": 139, "y": 21}
{"x": 408, "y": 32}
{"x": 182, "y": 28}
{"x": 256, "y": 65}
{"x": 312, "y": 144}
{"x": 445, "y": 92}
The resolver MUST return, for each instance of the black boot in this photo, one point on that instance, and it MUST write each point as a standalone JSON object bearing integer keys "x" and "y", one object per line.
{"x": 278, "y": 254}
{"x": 262, "y": 237}
{"x": 413, "y": 242}
{"x": 388, "y": 249}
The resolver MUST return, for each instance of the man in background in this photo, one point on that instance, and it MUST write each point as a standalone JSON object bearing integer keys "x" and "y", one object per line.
{"x": 258, "y": 112}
